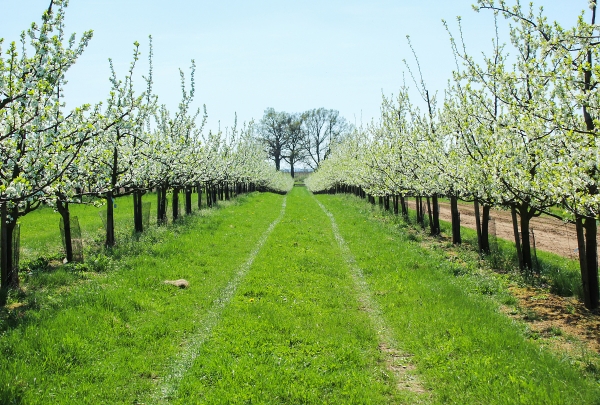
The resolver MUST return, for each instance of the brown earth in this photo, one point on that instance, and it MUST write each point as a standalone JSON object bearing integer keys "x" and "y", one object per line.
{"x": 557, "y": 319}
{"x": 551, "y": 234}
{"x": 563, "y": 323}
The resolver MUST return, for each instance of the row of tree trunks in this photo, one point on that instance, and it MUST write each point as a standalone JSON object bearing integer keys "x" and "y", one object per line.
{"x": 9, "y": 277}
{"x": 521, "y": 217}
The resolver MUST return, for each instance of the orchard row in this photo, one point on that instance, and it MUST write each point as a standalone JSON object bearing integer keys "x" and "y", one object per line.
{"x": 516, "y": 129}
{"x": 126, "y": 145}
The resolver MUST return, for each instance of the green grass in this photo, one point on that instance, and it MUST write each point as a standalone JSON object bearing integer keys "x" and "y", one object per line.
{"x": 293, "y": 333}
{"x": 107, "y": 338}
{"x": 467, "y": 351}
{"x": 560, "y": 273}
{"x": 40, "y": 235}
{"x": 289, "y": 323}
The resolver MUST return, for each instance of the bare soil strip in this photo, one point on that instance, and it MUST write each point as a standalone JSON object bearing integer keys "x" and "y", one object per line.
{"x": 551, "y": 234}
{"x": 188, "y": 352}
{"x": 397, "y": 362}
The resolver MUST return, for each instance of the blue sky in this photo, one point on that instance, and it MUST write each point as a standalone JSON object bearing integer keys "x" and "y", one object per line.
{"x": 250, "y": 55}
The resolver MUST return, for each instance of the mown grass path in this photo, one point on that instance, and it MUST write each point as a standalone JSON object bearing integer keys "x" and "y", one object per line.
{"x": 293, "y": 300}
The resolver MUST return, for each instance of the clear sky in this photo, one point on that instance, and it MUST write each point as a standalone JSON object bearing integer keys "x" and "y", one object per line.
{"x": 250, "y": 55}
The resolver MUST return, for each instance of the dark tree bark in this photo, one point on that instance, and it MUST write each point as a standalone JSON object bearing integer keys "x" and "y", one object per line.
{"x": 188, "y": 200}
{"x": 485, "y": 239}
{"x": 525, "y": 244}
{"x": 395, "y": 204}
{"x": 138, "y": 221}
{"x": 63, "y": 210}
{"x": 478, "y": 226}
{"x": 430, "y": 215}
{"x": 436, "y": 214}
{"x": 199, "y": 191}
{"x": 110, "y": 220}
{"x": 456, "y": 238}
{"x": 9, "y": 276}
{"x": 513, "y": 212}
{"x": 175, "y": 203}
{"x": 588, "y": 256}
{"x": 161, "y": 212}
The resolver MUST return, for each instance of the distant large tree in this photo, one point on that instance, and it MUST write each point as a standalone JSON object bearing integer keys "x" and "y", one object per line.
{"x": 321, "y": 128}
{"x": 273, "y": 133}
{"x": 294, "y": 151}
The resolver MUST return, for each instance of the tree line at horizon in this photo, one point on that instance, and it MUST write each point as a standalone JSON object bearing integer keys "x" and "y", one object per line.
{"x": 128, "y": 144}
{"x": 516, "y": 129}
{"x": 301, "y": 138}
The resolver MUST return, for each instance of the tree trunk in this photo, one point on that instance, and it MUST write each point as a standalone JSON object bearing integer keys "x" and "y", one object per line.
{"x": 110, "y": 220}
{"x": 292, "y": 168}
{"x": 525, "y": 244}
{"x": 588, "y": 259}
{"x": 199, "y": 190}
{"x": 175, "y": 203}
{"x": 478, "y": 226}
{"x": 226, "y": 187}
{"x": 396, "y": 204}
{"x": 63, "y": 210}
{"x": 138, "y": 221}
{"x": 436, "y": 214}
{"x": 420, "y": 211}
{"x": 9, "y": 273}
{"x": 430, "y": 216}
{"x": 188, "y": 200}
{"x": 513, "y": 212}
{"x": 403, "y": 206}
{"x": 456, "y": 238}
{"x": 162, "y": 205}
{"x": 485, "y": 234}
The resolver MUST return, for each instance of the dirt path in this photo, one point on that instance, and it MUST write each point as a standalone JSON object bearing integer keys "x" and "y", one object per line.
{"x": 551, "y": 235}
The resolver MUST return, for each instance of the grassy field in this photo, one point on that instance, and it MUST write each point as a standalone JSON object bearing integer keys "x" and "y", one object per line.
{"x": 295, "y": 299}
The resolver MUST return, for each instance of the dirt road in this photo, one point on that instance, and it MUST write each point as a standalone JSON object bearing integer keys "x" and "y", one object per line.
{"x": 551, "y": 235}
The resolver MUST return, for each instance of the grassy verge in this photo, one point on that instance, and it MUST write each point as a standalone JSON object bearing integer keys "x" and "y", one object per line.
{"x": 109, "y": 336}
{"x": 40, "y": 235}
{"x": 466, "y": 350}
{"x": 561, "y": 274}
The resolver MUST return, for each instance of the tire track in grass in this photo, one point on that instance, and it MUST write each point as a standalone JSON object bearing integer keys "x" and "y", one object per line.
{"x": 188, "y": 353}
{"x": 397, "y": 361}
